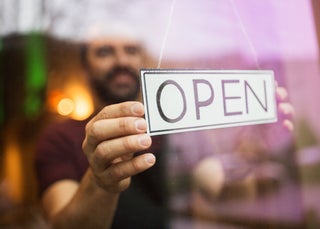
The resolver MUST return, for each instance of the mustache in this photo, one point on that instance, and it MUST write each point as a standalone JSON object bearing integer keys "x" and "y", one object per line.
{"x": 121, "y": 70}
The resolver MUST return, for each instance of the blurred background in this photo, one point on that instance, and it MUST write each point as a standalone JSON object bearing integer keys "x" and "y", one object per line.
{"x": 41, "y": 80}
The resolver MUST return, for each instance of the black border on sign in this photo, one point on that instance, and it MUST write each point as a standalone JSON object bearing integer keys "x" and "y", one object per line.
{"x": 143, "y": 72}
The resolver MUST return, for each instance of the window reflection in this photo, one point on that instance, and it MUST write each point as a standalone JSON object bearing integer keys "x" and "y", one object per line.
{"x": 260, "y": 176}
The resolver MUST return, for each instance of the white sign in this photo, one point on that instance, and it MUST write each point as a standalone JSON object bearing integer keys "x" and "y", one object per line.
{"x": 185, "y": 100}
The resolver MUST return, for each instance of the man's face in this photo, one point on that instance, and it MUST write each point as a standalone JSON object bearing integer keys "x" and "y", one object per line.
{"x": 113, "y": 68}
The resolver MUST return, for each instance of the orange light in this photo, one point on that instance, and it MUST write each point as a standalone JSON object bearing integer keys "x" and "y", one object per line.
{"x": 75, "y": 102}
{"x": 13, "y": 170}
{"x": 83, "y": 107}
{"x": 65, "y": 106}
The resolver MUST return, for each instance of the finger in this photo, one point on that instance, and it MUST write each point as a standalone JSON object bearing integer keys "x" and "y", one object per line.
{"x": 288, "y": 125}
{"x": 281, "y": 94}
{"x": 286, "y": 109}
{"x": 126, "y": 157}
{"x": 111, "y": 128}
{"x": 286, "y": 113}
{"x": 124, "y": 109}
{"x": 125, "y": 169}
{"x": 108, "y": 151}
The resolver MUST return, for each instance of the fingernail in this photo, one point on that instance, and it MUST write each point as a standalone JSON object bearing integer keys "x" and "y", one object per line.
{"x": 288, "y": 125}
{"x": 141, "y": 125}
{"x": 150, "y": 159}
{"x": 137, "y": 109}
{"x": 145, "y": 140}
{"x": 285, "y": 108}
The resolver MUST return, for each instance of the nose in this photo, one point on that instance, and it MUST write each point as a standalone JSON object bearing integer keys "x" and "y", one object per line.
{"x": 122, "y": 58}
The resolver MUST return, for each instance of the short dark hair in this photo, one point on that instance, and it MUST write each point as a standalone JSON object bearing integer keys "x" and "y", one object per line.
{"x": 83, "y": 55}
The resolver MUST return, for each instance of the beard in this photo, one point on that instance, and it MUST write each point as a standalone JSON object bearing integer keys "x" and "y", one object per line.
{"x": 110, "y": 90}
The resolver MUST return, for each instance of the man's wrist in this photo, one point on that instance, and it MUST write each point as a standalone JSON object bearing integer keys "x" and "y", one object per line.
{"x": 97, "y": 187}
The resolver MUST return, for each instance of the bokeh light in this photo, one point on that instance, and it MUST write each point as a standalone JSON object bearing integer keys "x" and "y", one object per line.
{"x": 65, "y": 106}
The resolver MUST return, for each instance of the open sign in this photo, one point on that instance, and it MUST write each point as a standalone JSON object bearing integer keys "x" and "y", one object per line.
{"x": 185, "y": 100}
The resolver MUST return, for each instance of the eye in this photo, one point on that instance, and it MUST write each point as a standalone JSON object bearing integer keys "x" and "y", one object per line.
{"x": 104, "y": 51}
{"x": 132, "y": 50}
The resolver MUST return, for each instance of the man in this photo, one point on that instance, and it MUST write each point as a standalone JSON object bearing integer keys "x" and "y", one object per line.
{"x": 112, "y": 136}
{"x": 94, "y": 189}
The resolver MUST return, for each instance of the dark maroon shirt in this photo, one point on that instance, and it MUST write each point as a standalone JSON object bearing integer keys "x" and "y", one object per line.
{"x": 59, "y": 156}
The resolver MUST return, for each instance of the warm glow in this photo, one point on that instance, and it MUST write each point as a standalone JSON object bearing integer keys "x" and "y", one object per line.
{"x": 73, "y": 101}
{"x": 65, "y": 106}
{"x": 82, "y": 100}
{"x": 83, "y": 106}
{"x": 13, "y": 171}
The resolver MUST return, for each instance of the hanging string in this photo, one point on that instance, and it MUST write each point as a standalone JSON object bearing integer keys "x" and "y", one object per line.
{"x": 242, "y": 28}
{"x": 164, "y": 41}
{"x": 245, "y": 33}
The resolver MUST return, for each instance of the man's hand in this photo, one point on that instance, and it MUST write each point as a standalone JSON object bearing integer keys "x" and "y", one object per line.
{"x": 285, "y": 109}
{"x": 112, "y": 137}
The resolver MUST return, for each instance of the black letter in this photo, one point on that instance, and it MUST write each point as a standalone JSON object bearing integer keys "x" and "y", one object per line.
{"x": 246, "y": 85}
{"x": 199, "y": 104}
{"x": 229, "y": 97}
{"x": 171, "y": 120}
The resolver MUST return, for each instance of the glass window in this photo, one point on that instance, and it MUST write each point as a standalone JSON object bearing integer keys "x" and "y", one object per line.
{"x": 62, "y": 61}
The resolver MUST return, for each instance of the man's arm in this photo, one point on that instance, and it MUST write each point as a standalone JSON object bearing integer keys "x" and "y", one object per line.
{"x": 69, "y": 204}
{"x": 112, "y": 137}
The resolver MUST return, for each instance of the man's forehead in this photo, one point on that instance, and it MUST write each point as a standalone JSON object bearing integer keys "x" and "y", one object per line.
{"x": 113, "y": 41}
